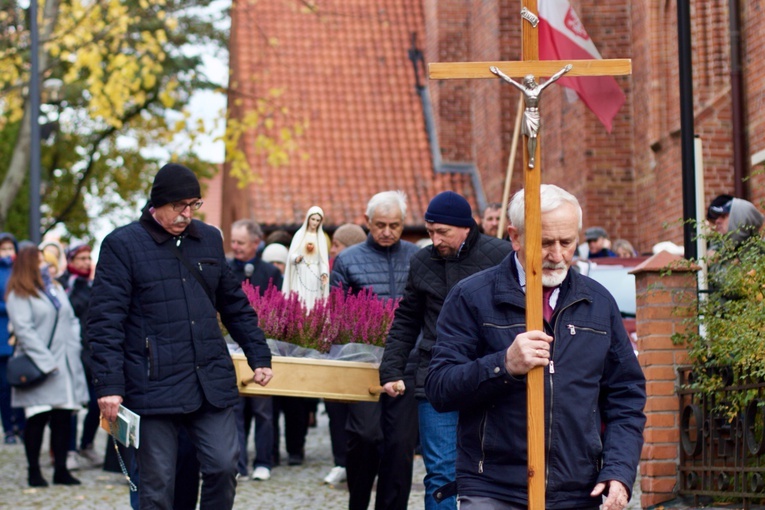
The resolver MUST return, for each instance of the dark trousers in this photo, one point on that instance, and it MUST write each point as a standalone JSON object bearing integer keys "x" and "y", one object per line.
{"x": 89, "y": 425}
{"x": 92, "y": 420}
{"x": 13, "y": 417}
{"x": 60, "y": 427}
{"x": 186, "y": 474}
{"x": 262, "y": 409}
{"x": 295, "y": 411}
{"x": 381, "y": 441}
{"x": 213, "y": 433}
{"x": 338, "y": 417}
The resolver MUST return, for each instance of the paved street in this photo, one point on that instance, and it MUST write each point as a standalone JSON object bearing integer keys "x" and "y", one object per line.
{"x": 290, "y": 487}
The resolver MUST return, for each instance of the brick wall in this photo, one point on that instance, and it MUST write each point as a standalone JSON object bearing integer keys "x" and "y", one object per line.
{"x": 658, "y": 300}
{"x": 628, "y": 181}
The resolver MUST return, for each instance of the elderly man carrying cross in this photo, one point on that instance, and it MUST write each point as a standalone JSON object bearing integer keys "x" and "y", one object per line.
{"x": 594, "y": 387}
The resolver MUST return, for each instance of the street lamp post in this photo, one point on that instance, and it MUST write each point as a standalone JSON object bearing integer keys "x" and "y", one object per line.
{"x": 34, "y": 118}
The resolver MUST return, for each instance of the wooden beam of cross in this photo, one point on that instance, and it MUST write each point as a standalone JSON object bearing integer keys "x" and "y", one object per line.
{"x": 531, "y": 65}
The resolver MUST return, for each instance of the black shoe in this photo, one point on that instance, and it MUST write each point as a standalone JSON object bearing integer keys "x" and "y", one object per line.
{"x": 64, "y": 478}
{"x": 35, "y": 478}
{"x": 295, "y": 460}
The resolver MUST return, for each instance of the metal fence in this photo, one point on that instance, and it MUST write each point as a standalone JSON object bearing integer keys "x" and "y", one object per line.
{"x": 720, "y": 457}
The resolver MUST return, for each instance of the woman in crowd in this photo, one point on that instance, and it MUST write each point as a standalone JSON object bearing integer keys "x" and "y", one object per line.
{"x": 49, "y": 333}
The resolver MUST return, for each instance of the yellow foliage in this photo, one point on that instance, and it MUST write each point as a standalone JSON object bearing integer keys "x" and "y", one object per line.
{"x": 93, "y": 36}
{"x": 97, "y": 41}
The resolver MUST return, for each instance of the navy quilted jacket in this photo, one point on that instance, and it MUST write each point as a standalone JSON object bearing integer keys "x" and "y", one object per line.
{"x": 369, "y": 265}
{"x": 154, "y": 331}
{"x": 431, "y": 277}
{"x": 594, "y": 390}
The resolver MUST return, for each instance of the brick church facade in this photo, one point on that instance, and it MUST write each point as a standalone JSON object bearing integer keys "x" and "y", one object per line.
{"x": 345, "y": 67}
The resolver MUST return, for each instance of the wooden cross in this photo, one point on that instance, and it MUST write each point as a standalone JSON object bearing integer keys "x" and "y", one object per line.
{"x": 533, "y": 231}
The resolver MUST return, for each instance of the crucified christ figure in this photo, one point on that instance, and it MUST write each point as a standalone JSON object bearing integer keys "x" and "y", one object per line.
{"x": 531, "y": 92}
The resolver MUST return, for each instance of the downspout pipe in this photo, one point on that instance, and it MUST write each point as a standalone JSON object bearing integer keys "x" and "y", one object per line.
{"x": 740, "y": 142}
{"x": 686, "y": 126}
{"x": 439, "y": 165}
{"x": 449, "y": 167}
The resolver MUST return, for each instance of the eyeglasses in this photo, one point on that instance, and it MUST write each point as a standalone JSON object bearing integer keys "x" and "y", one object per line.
{"x": 181, "y": 206}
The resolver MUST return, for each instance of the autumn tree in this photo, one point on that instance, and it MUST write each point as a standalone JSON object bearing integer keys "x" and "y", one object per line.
{"x": 117, "y": 77}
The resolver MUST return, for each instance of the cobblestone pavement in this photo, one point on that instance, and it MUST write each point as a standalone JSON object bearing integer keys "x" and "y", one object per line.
{"x": 290, "y": 487}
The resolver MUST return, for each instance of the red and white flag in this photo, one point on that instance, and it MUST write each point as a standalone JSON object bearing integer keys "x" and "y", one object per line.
{"x": 563, "y": 37}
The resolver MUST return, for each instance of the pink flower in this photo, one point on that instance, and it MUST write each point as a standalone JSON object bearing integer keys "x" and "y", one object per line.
{"x": 341, "y": 318}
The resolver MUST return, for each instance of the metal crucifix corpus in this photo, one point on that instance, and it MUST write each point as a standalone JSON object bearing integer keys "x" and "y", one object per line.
{"x": 531, "y": 91}
{"x": 531, "y": 65}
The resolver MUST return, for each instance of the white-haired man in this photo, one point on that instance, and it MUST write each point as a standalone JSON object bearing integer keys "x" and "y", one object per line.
{"x": 382, "y": 435}
{"x": 594, "y": 430}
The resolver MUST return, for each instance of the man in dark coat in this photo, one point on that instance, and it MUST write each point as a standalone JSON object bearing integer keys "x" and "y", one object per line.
{"x": 246, "y": 237}
{"x": 156, "y": 344}
{"x": 381, "y": 435}
{"x": 458, "y": 251}
{"x": 594, "y": 387}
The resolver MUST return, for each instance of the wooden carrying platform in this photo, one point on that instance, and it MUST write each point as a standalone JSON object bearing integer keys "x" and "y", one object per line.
{"x": 316, "y": 378}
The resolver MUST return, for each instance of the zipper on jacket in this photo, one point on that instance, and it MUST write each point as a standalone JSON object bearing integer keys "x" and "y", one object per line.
{"x": 148, "y": 350}
{"x": 552, "y": 387}
{"x": 482, "y": 438}
{"x": 500, "y": 326}
{"x": 572, "y": 329}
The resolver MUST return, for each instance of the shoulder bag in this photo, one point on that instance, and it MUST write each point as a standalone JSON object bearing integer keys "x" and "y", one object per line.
{"x": 22, "y": 371}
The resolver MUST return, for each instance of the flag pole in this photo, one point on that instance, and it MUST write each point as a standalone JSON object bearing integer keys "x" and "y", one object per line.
{"x": 510, "y": 165}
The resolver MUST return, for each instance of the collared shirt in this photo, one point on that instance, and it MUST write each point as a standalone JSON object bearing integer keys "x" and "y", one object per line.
{"x": 522, "y": 282}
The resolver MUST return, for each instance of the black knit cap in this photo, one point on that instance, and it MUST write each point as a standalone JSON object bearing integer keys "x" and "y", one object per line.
{"x": 172, "y": 183}
{"x": 450, "y": 208}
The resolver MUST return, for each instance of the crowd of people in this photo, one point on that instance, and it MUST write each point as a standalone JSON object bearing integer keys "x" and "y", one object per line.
{"x": 142, "y": 330}
{"x": 44, "y": 303}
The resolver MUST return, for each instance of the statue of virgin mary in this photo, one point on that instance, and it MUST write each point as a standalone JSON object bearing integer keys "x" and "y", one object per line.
{"x": 307, "y": 271}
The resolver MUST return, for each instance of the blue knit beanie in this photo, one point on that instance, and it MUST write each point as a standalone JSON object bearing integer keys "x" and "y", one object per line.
{"x": 450, "y": 208}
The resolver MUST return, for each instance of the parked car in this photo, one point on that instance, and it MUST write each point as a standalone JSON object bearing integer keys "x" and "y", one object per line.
{"x": 614, "y": 274}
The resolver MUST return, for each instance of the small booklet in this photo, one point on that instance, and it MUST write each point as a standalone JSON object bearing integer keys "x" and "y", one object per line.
{"x": 126, "y": 429}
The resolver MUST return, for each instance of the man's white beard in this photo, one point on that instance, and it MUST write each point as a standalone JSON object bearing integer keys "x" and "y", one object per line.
{"x": 556, "y": 278}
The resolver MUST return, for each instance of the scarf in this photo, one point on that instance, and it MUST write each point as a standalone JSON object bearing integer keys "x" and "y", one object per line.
{"x": 49, "y": 288}
{"x": 74, "y": 271}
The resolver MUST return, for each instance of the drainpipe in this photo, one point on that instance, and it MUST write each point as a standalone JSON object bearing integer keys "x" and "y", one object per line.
{"x": 439, "y": 165}
{"x": 686, "y": 125}
{"x": 740, "y": 169}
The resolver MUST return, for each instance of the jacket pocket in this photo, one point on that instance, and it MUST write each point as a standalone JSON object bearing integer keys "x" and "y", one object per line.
{"x": 152, "y": 358}
{"x": 210, "y": 269}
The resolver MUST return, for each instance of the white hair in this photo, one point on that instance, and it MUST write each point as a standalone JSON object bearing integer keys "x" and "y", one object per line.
{"x": 387, "y": 201}
{"x": 551, "y": 197}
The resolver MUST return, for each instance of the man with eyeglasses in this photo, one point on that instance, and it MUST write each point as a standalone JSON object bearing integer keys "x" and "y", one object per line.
{"x": 156, "y": 345}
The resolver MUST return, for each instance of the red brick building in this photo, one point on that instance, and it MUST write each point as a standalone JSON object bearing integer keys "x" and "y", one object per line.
{"x": 344, "y": 66}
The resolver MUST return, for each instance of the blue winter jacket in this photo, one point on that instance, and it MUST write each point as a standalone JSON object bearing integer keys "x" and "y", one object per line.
{"x": 594, "y": 390}
{"x": 383, "y": 269}
{"x": 6, "y": 264}
{"x": 153, "y": 329}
